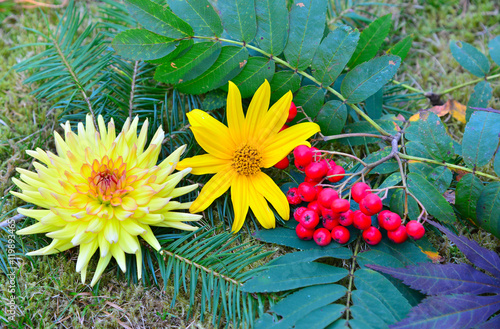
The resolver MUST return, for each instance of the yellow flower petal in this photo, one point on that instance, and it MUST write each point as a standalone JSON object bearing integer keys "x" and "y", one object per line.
{"x": 213, "y": 189}
{"x": 86, "y": 252}
{"x": 101, "y": 266}
{"x": 265, "y": 185}
{"x": 239, "y": 197}
{"x": 261, "y": 208}
{"x": 217, "y": 130}
{"x": 235, "y": 116}
{"x": 214, "y": 142}
{"x": 119, "y": 255}
{"x": 203, "y": 164}
{"x": 256, "y": 111}
{"x": 275, "y": 118}
{"x": 284, "y": 142}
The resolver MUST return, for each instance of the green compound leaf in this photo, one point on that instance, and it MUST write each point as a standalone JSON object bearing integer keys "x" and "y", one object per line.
{"x": 272, "y": 25}
{"x": 488, "y": 216}
{"x": 366, "y": 79}
{"x": 402, "y": 48}
{"x": 307, "y": 23}
{"x": 470, "y": 58}
{"x": 140, "y": 44}
{"x": 431, "y": 132}
{"x": 370, "y": 40}
{"x": 433, "y": 201}
{"x": 254, "y": 73}
{"x": 311, "y": 99}
{"x": 294, "y": 307}
{"x": 192, "y": 64}
{"x": 302, "y": 274}
{"x": 441, "y": 178}
{"x": 467, "y": 195}
{"x": 332, "y": 117}
{"x": 238, "y": 18}
{"x": 494, "y": 48}
{"x": 333, "y": 54}
{"x": 158, "y": 19}
{"x": 282, "y": 82}
{"x": 479, "y": 98}
{"x": 199, "y": 14}
{"x": 229, "y": 63}
{"x": 480, "y": 138}
{"x": 180, "y": 50}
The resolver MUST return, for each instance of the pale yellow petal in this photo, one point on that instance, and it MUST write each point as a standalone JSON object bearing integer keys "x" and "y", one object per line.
{"x": 239, "y": 197}
{"x": 101, "y": 266}
{"x": 86, "y": 252}
{"x": 261, "y": 209}
{"x": 119, "y": 255}
{"x": 256, "y": 111}
{"x": 235, "y": 116}
{"x": 203, "y": 164}
{"x": 265, "y": 185}
{"x": 213, "y": 189}
{"x": 284, "y": 142}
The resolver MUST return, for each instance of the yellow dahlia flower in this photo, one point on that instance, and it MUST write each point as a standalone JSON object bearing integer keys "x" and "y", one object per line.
{"x": 103, "y": 191}
{"x": 237, "y": 153}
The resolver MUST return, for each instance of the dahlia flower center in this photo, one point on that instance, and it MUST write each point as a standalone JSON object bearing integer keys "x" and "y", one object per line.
{"x": 108, "y": 179}
{"x": 247, "y": 160}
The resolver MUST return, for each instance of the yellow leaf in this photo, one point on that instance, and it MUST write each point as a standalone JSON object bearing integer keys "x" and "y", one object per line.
{"x": 456, "y": 109}
{"x": 433, "y": 255}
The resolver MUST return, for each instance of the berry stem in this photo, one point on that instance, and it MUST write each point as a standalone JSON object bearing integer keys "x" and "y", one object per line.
{"x": 351, "y": 279}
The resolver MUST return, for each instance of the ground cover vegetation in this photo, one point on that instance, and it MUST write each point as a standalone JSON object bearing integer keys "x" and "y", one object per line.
{"x": 386, "y": 217}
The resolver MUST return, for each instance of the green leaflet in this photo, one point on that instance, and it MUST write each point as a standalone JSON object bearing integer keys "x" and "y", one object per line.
{"x": 374, "y": 104}
{"x": 226, "y": 67}
{"x": 180, "y": 50}
{"x": 370, "y": 40}
{"x": 488, "y": 216}
{"x": 332, "y": 117}
{"x": 199, "y": 14}
{"x": 367, "y": 78}
{"x": 467, "y": 195}
{"x": 238, "y": 18}
{"x": 387, "y": 167}
{"x": 497, "y": 164}
{"x": 312, "y": 255}
{"x": 431, "y": 198}
{"x": 397, "y": 205}
{"x": 301, "y": 274}
{"x": 253, "y": 74}
{"x": 199, "y": 58}
{"x": 479, "y": 98}
{"x": 307, "y": 22}
{"x": 158, "y": 19}
{"x": 387, "y": 122}
{"x": 494, "y": 48}
{"x": 321, "y": 317}
{"x": 470, "y": 58}
{"x": 480, "y": 138}
{"x": 402, "y": 48}
{"x": 139, "y": 44}
{"x": 272, "y": 25}
{"x": 282, "y": 82}
{"x": 441, "y": 178}
{"x": 393, "y": 180}
{"x": 311, "y": 99}
{"x": 333, "y": 54}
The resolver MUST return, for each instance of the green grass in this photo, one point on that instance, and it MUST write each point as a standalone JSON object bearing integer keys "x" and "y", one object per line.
{"x": 49, "y": 292}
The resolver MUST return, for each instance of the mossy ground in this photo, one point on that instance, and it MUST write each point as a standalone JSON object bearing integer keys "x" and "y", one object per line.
{"x": 49, "y": 292}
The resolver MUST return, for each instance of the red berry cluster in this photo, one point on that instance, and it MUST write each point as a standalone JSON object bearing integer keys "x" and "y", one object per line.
{"x": 327, "y": 215}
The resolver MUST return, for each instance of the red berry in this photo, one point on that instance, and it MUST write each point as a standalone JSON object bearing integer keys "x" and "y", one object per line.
{"x": 398, "y": 235}
{"x": 346, "y": 218}
{"x": 361, "y": 221}
{"x": 390, "y": 220}
{"x": 371, "y": 204}
{"x": 298, "y": 213}
{"x": 340, "y": 205}
{"x": 307, "y": 192}
{"x": 327, "y": 213}
{"x": 330, "y": 163}
{"x": 322, "y": 237}
{"x": 312, "y": 181}
{"x": 316, "y": 170}
{"x": 337, "y": 170}
{"x": 314, "y": 205}
{"x": 299, "y": 166}
{"x": 359, "y": 191}
{"x": 283, "y": 164}
{"x": 372, "y": 235}
{"x": 380, "y": 217}
{"x": 304, "y": 233}
{"x": 303, "y": 155}
{"x": 340, "y": 234}
{"x": 309, "y": 219}
{"x": 293, "y": 196}
{"x": 330, "y": 223}
{"x": 415, "y": 229}
{"x": 326, "y": 197}
{"x": 318, "y": 190}
{"x": 284, "y": 127}
{"x": 292, "y": 112}
{"x": 316, "y": 155}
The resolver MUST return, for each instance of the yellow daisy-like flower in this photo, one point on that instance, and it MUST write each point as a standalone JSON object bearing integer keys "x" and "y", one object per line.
{"x": 103, "y": 191}
{"x": 237, "y": 153}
